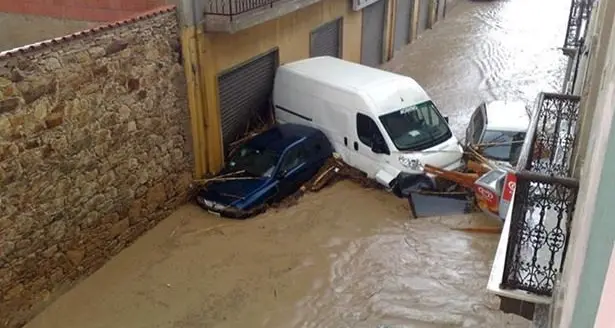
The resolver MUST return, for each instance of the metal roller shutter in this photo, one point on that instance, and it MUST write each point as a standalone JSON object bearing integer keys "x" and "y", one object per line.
{"x": 372, "y": 33}
{"x": 402, "y": 24}
{"x": 423, "y": 15}
{"x": 326, "y": 39}
{"x": 244, "y": 94}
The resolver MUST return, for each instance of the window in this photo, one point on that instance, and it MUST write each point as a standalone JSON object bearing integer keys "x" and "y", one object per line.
{"x": 253, "y": 161}
{"x": 368, "y": 131}
{"x": 416, "y": 127}
{"x": 293, "y": 159}
{"x": 502, "y": 145}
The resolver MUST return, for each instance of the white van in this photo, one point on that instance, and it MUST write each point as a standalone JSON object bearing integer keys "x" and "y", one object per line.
{"x": 379, "y": 122}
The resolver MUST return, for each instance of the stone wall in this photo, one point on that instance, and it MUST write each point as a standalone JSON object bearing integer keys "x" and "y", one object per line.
{"x": 94, "y": 151}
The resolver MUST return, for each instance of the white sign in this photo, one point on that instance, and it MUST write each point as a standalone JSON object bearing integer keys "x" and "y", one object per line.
{"x": 360, "y": 4}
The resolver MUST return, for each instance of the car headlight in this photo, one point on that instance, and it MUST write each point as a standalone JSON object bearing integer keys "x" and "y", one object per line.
{"x": 211, "y": 204}
{"x": 413, "y": 164}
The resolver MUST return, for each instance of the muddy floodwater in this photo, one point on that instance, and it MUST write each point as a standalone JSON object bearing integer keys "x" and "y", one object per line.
{"x": 346, "y": 256}
{"x": 487, "y": 50}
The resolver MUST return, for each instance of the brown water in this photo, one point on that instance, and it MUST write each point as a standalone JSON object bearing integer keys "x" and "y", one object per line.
{"x": 488, "y": 50}
{"x": 346, "y": 256}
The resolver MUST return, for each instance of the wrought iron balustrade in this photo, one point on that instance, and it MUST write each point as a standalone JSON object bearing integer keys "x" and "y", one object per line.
{"x": 544, "y": 198}
{"x": 232, "y": 8}
{"x": 578, "y": 18}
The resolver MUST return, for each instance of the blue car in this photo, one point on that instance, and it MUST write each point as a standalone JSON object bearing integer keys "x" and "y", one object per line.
{"x": 267, "y": 168}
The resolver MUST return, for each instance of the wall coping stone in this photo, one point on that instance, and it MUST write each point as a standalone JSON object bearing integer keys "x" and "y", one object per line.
{"x": 86, "y": 33}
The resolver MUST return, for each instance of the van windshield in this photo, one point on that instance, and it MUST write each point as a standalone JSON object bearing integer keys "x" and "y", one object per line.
{"x": 416, "y": 127}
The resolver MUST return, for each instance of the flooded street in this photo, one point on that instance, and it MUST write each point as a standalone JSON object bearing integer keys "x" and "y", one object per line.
{"x": 486, "y": 50}
{"x": 346, "y": 256}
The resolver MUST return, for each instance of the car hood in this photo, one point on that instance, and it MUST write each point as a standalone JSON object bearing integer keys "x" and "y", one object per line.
{"x": 231, "y": 191}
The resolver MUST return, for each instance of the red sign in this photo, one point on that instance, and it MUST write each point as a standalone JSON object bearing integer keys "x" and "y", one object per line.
{"x": 487, "y": 199}
{"x": 510, "y": 184}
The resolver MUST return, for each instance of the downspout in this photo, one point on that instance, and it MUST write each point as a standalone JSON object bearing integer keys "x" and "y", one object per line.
{"x": 191, "y": 56}
{"x": 197, "y": 72}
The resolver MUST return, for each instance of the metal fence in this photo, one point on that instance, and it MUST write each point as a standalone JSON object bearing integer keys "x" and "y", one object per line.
{"x": 545, "y": 197}
{"x": 578, "y": 18}
{"x": 232, "y": 8}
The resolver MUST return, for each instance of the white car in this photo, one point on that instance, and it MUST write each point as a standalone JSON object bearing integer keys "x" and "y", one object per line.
{"x": 497, "y": 129}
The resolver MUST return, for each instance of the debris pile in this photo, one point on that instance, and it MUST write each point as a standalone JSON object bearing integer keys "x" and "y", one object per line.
{"x": 332, "y": 171}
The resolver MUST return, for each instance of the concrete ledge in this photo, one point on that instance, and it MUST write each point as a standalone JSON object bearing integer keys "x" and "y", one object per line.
{"x": 232, "y": 24}
{"x": 497, "y": 270}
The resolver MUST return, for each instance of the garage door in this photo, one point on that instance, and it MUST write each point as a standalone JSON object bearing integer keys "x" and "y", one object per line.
{"x": 326, "y": 40}
{"x": 244, "y": 94}
{"x": 372, "y": 33}
{"x": 423, "y": 15}
{"x": 402, "y": 24}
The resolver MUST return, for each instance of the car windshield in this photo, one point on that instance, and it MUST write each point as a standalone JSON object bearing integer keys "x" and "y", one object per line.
{"x": 416, "y": 127}
{"x": 256, "y": 162}
{"x": 502, "y": 145}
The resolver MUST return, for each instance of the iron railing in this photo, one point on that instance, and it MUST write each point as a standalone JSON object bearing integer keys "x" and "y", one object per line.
{"x": 544, "y": 198}
{"x": 232, "y": 8}
{"x": 580, "y": 12}
{"x": 577, "y": 63}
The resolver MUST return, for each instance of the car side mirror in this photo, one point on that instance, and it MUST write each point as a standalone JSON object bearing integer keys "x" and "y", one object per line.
{"x": 446, "y": 119}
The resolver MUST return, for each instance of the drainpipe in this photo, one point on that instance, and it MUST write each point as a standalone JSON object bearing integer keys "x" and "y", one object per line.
{"x": 188, "y": 19}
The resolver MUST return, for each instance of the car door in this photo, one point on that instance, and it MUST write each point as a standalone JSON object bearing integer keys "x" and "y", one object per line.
{"x": 294, "y": 170}
{"x": 367, "y": 134}
{"x": 476, "y": 127}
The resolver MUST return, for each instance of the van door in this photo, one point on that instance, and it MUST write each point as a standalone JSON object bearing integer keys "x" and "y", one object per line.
{"x": 369, "y": 149}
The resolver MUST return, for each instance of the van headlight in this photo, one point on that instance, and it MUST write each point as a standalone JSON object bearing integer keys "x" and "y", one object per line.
{"x": 413, "y": 164}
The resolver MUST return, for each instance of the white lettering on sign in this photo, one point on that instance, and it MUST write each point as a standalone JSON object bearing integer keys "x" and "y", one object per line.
{"x": 485, "y": 193}
{"x": 512, "y": 185}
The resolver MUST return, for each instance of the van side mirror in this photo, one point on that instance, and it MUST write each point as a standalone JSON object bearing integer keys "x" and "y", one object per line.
{"x": 446, "y": 119}
{"x": 379, "y": 148}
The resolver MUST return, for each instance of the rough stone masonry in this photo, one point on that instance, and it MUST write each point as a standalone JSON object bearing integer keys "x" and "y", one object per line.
{"x": 94, "y": 134}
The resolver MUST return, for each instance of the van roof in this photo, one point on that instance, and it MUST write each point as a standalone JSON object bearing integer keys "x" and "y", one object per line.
{"x": 507, "y": 115}
{"x": 374, "y": 83}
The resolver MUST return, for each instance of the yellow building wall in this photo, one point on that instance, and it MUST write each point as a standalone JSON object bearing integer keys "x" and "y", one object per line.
{"x": 290, "y": 33}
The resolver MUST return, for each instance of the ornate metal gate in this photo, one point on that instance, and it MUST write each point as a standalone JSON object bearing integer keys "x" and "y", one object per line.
{"x": 545, "y": 197}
